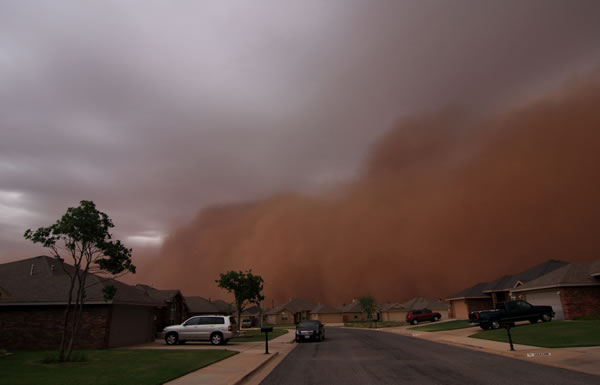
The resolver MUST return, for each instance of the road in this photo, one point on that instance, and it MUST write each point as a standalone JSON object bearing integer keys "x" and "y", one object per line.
{"x": 352, "y": 356}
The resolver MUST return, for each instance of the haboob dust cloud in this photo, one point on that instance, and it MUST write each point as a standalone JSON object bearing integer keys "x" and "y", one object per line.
{"x": 442, "y": 202}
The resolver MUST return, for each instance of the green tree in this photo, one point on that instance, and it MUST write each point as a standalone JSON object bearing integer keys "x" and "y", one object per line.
{"x": 367, "y": 305}
{"x": 83, "y": 234}
{"x": 246, "y": 287}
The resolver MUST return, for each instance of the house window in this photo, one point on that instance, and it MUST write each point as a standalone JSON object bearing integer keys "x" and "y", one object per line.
{"x": 284, "y": 316}
{"x": 355, "y": 316}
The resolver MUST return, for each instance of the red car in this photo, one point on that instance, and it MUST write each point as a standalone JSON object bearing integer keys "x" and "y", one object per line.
{"x": 416, "y": 316}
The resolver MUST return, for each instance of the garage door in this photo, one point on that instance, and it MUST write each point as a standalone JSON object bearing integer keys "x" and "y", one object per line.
{"x": 547, "y": 298}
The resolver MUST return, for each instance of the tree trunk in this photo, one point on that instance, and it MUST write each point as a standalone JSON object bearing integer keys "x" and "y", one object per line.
{"x": 63, "y": 337}
{"x": 78, "y": 311}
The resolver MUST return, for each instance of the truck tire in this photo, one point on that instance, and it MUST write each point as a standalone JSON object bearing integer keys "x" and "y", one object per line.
{"x": 495, "y": 324}
{"x": 546, "y": 317}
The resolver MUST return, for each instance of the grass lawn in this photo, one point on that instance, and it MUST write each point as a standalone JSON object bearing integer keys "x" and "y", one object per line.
{"x": 441, "y": 326}
{"x": 374, "y": 325}
{"x": 556, "y": 334}
{"x": 256, "y": 335}
{"x": 106, "y": 367}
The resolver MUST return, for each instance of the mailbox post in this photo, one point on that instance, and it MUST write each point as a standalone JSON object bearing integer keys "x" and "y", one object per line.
{"x": 508, "y": 325}
{"x": 266, "y": 330}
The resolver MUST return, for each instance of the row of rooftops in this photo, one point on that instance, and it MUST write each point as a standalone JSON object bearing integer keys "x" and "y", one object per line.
{"x": 550, "y": 274}
{"x": 297, "y": 305}
{"x": 44, "y": 281}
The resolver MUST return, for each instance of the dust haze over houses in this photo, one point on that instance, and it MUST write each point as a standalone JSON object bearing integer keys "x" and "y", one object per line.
{"x": 338, "y": 148}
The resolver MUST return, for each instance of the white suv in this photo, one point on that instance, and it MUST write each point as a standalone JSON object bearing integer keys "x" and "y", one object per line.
{"x": 217, "y": 329}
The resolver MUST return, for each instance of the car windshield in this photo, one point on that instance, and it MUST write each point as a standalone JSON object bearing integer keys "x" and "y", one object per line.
{"x": 308, "y": 324}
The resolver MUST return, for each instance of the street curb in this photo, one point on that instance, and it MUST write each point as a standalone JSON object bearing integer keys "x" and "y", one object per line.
{"x": 507, "y": 354}
{"x": 254, "y": 370}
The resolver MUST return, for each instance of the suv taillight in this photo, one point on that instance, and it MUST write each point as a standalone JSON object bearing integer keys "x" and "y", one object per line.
{"x": 229, "y": 328}
{"x": 477, "y": 315}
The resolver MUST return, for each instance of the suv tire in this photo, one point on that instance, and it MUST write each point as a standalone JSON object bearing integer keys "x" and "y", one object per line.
{"x": 171, "y": 338}
{"x": 436, "y": 318}
{"x": 216, "y": 338}
{"x": 414, "y": 322}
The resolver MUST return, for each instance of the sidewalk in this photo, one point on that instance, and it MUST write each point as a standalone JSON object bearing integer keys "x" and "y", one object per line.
{"x": 583, "y": 359}
{"x": 236, "y": 369}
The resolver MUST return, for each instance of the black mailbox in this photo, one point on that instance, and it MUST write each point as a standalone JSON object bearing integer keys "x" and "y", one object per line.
{"x": 267, "y": 330}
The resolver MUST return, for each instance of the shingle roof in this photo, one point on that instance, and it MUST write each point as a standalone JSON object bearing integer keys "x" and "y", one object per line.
{"x": 395, "y": 306}
{"x": 323, "y": 309}
{"x": 422, "y": 303}
{"x": 42, "y": 280}
{"x": 160, "y": 295}
{"x": 474, "y": 291}
{"x": 573, "y": 274}
{"x": 197, "y": 304}
{"x": 294, "y": 305}
{"x": 508, "y": 282}
{"x": 252, "y": 310}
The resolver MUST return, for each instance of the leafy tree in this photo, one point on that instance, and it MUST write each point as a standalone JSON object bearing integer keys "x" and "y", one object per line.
{"x": 246, "y": 287}
{"x": 367, "y": 304}
{"x": 83, "y": 234}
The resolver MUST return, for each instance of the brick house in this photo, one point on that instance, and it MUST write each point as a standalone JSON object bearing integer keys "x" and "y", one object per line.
{"x": 418, "y": 303}
{"x": 572, "y": 290}
{"x": 294, "y": 311}
{"x": 327, "y": 314}
{"x": 485, "y": 295}
{"x": 173, "y": 310}
{"x": 353, "y": 312}
{"x": 33, "y": 295}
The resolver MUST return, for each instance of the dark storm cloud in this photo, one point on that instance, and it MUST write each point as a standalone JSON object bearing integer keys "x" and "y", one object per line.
{"x": 156, "y": 110}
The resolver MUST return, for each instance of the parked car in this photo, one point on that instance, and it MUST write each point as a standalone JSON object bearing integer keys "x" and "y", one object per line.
{"x": 416, "y": 316}
{"x": 217, "y": 329}
{"x": 511, "y": 312}
{"x": 310, "y": 330}
{"x": 246, "y": 323}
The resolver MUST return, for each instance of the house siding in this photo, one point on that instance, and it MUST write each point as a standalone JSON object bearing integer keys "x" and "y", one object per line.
{"x": 40, "y": 327}
{"x": 580, "y": 301}
{"x": 327, "y": 318}
{"x": 461, "y": 308}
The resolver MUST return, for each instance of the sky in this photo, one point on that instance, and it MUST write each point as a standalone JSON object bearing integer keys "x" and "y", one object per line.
{"x": 157, "y": 111}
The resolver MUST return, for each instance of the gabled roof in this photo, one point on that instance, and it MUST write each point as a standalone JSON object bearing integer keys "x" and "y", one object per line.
{"x": 324, "y": 309}
{"x": 44, "y": 280}
{"x": 395, "y": 306}
{"x": 160, "y": 295}
{"x": 474, "y": 291}
{"x": 422, "y": 303}
{"x": 197, "y": 304}
{"x": 294, "y": 305}
{"x": 509, "y": 282}
{"x": 573, "y": 274}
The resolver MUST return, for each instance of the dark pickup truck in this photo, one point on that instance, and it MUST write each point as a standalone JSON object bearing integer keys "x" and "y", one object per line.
{"x": 510, "y": 312}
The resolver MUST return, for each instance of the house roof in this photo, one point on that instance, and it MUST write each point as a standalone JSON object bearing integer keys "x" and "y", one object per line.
{"x": 573, "y": 274}
{"x": 44, "y": 280}
{"x": 509, "y": 282}
{"x": 160, "y": 295}
{"x": 197, "y": 304}
{"x": 323, "y": 309}
{"x": 474, "y": 291}
{"x": 395, "y": 306}
{"x": 422, "y": 303}
{"x": 294, "y": 305}
{"x": 252, "y": 310}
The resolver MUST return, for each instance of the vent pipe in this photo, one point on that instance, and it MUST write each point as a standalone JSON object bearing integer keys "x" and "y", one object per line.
{"x": 32, "y": 268}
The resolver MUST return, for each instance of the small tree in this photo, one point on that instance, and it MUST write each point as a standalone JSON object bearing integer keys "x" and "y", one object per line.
{"x": 246, "y": 287}
{"x": 367, "y": 304}
{"x": 83, "y": 234}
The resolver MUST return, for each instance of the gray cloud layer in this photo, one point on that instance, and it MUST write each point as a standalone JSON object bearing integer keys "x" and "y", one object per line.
{"x": 154, "y": 110}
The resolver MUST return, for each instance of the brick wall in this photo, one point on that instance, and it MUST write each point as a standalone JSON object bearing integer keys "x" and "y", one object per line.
{"x": 476, "y": 304}
{"x": 39, "y": 327}
{"x": 580, "y": 301}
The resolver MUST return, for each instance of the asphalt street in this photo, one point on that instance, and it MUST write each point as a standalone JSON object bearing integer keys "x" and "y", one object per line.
{"x": 351, "y": 356}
